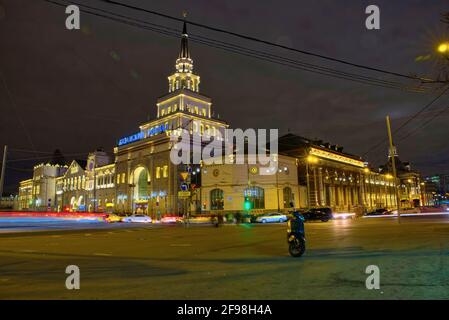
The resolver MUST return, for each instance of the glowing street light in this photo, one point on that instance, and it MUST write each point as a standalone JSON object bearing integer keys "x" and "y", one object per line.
{"x": 443, "y": 48}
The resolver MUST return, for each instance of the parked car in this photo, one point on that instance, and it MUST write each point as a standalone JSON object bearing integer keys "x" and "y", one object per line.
{"x": 140, "y": 218}
{"x": 272, "y": 217}
{"x": 322, "y": 214}
{"x": 378, "y": 212}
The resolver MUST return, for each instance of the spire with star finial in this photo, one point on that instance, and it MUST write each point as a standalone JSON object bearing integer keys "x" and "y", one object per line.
{"x": 184, "y": 53}
{"x": 184, "y": 78}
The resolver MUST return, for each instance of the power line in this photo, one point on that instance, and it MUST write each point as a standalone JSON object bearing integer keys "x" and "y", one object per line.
{"x": 265, "y": 56}
{"x": 246, "y": 37}
{"x": 425, "y": 123}
{"x": 429, "y": 104}
{"x": 47, "y": 157}
{"x": 423, "y": 109}
{"x": 253, "y": 53}
{"x": 29, "y": 151}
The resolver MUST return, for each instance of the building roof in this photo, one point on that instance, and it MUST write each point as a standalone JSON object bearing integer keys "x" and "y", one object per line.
{"x": 290, "y": 144}
{"x": 401, "y": 167}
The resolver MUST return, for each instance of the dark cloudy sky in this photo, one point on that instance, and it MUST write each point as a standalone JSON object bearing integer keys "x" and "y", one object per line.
{"x": 78, "y": 90}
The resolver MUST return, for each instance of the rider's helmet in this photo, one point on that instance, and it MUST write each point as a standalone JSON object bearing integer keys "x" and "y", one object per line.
{"x": 297, "y": 215}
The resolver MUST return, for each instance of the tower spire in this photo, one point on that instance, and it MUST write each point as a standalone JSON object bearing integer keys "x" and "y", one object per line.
{"x": 184, "y": 53}
{"x": 184, "y": 78}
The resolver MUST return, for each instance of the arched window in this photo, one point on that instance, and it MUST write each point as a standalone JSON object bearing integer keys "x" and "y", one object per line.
{"x": 256, "y": 195}
{"x": 216, "y": 199}
{"x": 142, "y": 184}
{"x": 289, "y": 200}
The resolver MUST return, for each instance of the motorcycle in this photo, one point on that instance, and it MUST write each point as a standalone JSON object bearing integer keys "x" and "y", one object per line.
{"x": 296, "y": 237}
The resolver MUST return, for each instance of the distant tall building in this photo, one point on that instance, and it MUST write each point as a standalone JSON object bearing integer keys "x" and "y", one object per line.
{"x": 442, "y": 182}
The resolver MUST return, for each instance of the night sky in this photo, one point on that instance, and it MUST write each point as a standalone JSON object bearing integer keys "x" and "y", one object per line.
{"x": 79, "y": 90}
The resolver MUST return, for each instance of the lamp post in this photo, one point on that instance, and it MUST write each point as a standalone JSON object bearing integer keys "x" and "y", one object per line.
{"x": 310, "y": 159}
{"x": 277, "y": 188}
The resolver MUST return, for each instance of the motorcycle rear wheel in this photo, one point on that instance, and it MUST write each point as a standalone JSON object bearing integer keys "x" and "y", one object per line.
{"x": 296, "y": 248}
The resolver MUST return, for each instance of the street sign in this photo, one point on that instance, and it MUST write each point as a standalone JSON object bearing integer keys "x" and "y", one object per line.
{"x": 184, "y": 187}
{"x": 184, "y": 175}
{"x": 183, "y": 194}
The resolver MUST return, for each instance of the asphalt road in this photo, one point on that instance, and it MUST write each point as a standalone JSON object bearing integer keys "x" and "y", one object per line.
{"x": 231, "y": 262}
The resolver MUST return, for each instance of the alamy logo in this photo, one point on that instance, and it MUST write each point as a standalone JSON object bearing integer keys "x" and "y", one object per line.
{"x": 73, "y": 20}
{"x": 73, "y": 280}
{"x": 194, "y": 148}
{"x": 373, "y": 280}
{"x": 372, "y": 22}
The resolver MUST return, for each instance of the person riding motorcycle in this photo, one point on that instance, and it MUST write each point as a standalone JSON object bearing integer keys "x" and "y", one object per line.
{"x": 296, "y": 237}
{"x": 297, "y": 223}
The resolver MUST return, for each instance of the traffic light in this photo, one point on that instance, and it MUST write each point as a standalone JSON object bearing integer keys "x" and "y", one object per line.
{"x": 247, "y": 204}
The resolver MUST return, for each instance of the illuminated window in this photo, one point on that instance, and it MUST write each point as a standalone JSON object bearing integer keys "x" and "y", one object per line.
{"x": 289, "y": 201}
{"x": 201, "y": 129}
{"x": 203, "y": 111}
{"x": 196, "y": 110}
{"x": 175, "y": 107}
{"x": 165, "y": 172}
{"x": 123, "y": 178}
{"x": 118, "y": 179}
{"x": 158, "y": 172}
{"x": 216, "y": 199}
{"x": 256, "y": 196}
{"x": 169, "y": 110}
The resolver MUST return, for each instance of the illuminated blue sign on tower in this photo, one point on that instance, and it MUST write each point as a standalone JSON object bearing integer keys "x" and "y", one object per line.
{"x": 141, "y": 135}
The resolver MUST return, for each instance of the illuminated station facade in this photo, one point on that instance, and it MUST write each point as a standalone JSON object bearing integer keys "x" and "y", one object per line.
{"x": 143, "y": 179}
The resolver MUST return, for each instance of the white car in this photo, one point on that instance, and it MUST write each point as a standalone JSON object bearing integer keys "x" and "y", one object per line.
{"x": 272, "y": 217}
{"x": 137, "y": 218}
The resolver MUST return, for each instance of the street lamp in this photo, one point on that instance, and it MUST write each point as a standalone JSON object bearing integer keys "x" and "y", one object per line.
{"x": 443, "y": 49}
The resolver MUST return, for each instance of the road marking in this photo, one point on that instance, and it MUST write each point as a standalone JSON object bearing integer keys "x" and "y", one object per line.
{"x": 103, "y": 254}
{"x": 87, "y": 234}
{"x": 180, "y": 245}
